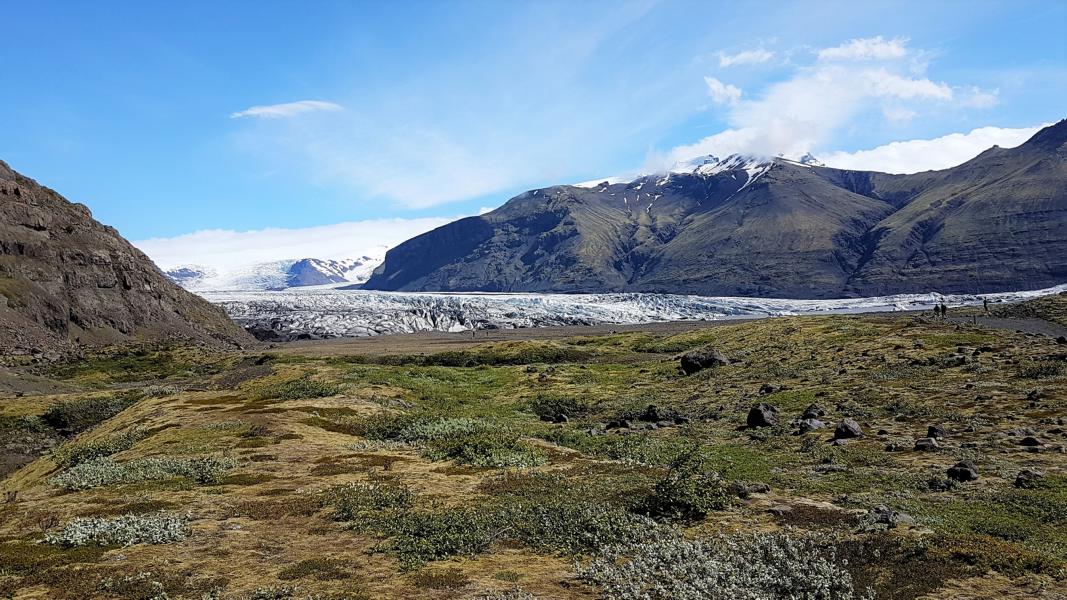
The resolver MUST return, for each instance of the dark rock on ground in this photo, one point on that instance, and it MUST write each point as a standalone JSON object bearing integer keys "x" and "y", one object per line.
{"x": 813, "y": 411}
{"x": 1028, "y": 478}
{"x": 700, "y": 359}
{"x": 743, "y": 489}
{"x": 806, "y": 425}
{"x": 1031, "y": 441}
{"x": 848, "y": 429}
{"x": 762, "y": 415}
{"x": 962, "y": 471}
{"x": 936, "y": 432}
{"x": 886, "y": 516}
{"x": 927, "y": 444}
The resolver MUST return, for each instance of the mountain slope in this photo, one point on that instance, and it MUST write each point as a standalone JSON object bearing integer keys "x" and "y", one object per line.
{"x": 65, "y": 278}
{"x": 773, "y": 228}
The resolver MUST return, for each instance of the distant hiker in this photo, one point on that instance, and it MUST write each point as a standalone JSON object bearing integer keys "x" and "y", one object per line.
{"x": 985, "y": 305}
{"x": 944, "y": 310}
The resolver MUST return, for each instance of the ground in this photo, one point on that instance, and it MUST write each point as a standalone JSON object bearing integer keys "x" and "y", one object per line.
{"x": 430, "y": 466}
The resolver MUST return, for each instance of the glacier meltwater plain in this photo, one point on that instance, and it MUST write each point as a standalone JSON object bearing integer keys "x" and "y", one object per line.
{"x": 325, "y": 312}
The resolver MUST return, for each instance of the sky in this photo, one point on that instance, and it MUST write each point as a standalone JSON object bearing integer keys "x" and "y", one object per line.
{"x": 206, "y": 130}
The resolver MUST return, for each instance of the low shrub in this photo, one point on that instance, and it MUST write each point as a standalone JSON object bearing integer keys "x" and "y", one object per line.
{"x": 323, "y": 569}
{"x": 105, "y": 471}
{"x": 440, "y": 579}
{"x": 689, "y": 491}
{"x": 758, "y": 566}
{"x": 82, "y": 413}
{"x": 365, "y": 502}
{"x": 302, "y": 388}
{"x": 124, "y": 530}
{"x": 74, "y": 453}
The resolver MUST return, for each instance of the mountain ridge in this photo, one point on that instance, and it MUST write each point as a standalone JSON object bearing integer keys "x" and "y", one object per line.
{"x": 778, "y": 228}
{"x": 67, "y": 279}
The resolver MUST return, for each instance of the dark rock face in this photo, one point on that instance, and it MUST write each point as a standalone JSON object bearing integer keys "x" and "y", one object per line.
{"x": 700, "y": 359}
{"x": 762, "y": 415}
{"x": 962, "y": 471}
{"x": 810, "y": 424}
{"x": 848, "y": 429}
{"x": 67, "y": 279}
{"x": 797, "y": 231}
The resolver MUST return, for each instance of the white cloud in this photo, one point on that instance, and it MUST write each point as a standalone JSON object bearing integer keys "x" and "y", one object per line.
{"x": 226, "y": 249}
{"x": 806, "y": 111}
{"x": 978, "y": 98}
{"x": 288, "y": 109}
{"x": 745, "y": 57}
{"x": 875, "y": 48}
{"x": 800, "y": 114}
{"x": 946, "y": 151}
{"x": 722, "y": 93}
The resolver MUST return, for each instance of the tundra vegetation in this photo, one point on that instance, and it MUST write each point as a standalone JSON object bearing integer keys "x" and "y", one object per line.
{"x": 805, "y": 457}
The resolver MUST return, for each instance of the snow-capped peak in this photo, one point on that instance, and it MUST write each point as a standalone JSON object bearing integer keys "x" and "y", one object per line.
{"x": 810, "y": 160}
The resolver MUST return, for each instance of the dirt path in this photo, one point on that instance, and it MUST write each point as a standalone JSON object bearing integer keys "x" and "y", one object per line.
{"x": 1038, "y": 326}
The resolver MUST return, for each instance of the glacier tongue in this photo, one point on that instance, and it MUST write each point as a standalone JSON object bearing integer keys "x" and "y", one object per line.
{"x": 326, "y": 313}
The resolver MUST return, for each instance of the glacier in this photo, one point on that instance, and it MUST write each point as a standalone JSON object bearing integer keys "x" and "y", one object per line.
{"x": 328, "y": 312}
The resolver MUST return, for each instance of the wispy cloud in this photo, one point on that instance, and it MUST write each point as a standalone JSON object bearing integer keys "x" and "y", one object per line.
{"x": 287, "y": 109}
{"x": 876, "y": 48}
{"x": 745, "y": 57}
{"x": 722, "y": 93}
{"x": 942, "y": 152}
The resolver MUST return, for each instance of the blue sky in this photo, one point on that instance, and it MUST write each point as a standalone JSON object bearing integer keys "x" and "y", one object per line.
{"x": 389, "y": 112}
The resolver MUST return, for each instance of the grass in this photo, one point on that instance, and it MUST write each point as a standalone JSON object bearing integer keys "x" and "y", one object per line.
{"x": 435, "y": 475}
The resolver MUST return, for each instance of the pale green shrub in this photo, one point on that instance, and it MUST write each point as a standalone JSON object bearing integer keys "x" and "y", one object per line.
{"x": 124, "y": 530}
{"x": 758, "y": 566}
{"x": 105, "y": 471}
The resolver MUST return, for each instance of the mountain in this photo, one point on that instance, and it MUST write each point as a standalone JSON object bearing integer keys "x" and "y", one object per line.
{"x": 765, "y": 227}
{"x": 275, "y": 275}
{"x": 65, "y": 278}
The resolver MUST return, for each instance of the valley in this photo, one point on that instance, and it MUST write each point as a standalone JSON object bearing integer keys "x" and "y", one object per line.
{"x": 551, "y": 463}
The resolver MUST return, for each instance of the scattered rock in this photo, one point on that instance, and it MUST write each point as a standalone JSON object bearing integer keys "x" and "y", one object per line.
{"x": 618, "y": 424}
{"x": 936, "y": 432}
{"x": 810, "y": 424}
{"x": 839, "y": 442}
{"x": 762, "y": 415}
{"x": 927, "y": 444}
{"x": 651, "y": 414}
{"x": 1030, "y": 441}
{"x": 813, "y": 411}
{"x": 561, "y": 418}
{"x": 1062, "y": 339}
{"x": 767, "y": 388}
{"x": 680, "y": 420}
{"x": 891, "y": 447}
{"x": 1028, "y": 478}
{"x": 779, "y": 510}
{"x": 743, "y": 490}
{"x": 886, "y": 516}
{"x": 962, "y": 471}
{"x": 700, "y": 359}
{"x": 847, "y": 429}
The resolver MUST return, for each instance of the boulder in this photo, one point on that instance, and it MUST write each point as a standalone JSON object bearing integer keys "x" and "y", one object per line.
{"x": 847, "y": 429}
{"x": 807, "y": 425}
{"x": 927, "y": 444}
{"x": 617, "y": 424}
{"x": 652, "y": 414}
{"x": 813, "y": 411}
{"x": 962, "y": 471}
{"x": 1031, "y": 442}
{"x": 936, "y": 432}
{"x": 891, "y": 518}
{"x": 1028, "y": 478}
{"x": 762, "y": 415}
{"x": 700, "y": 359}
